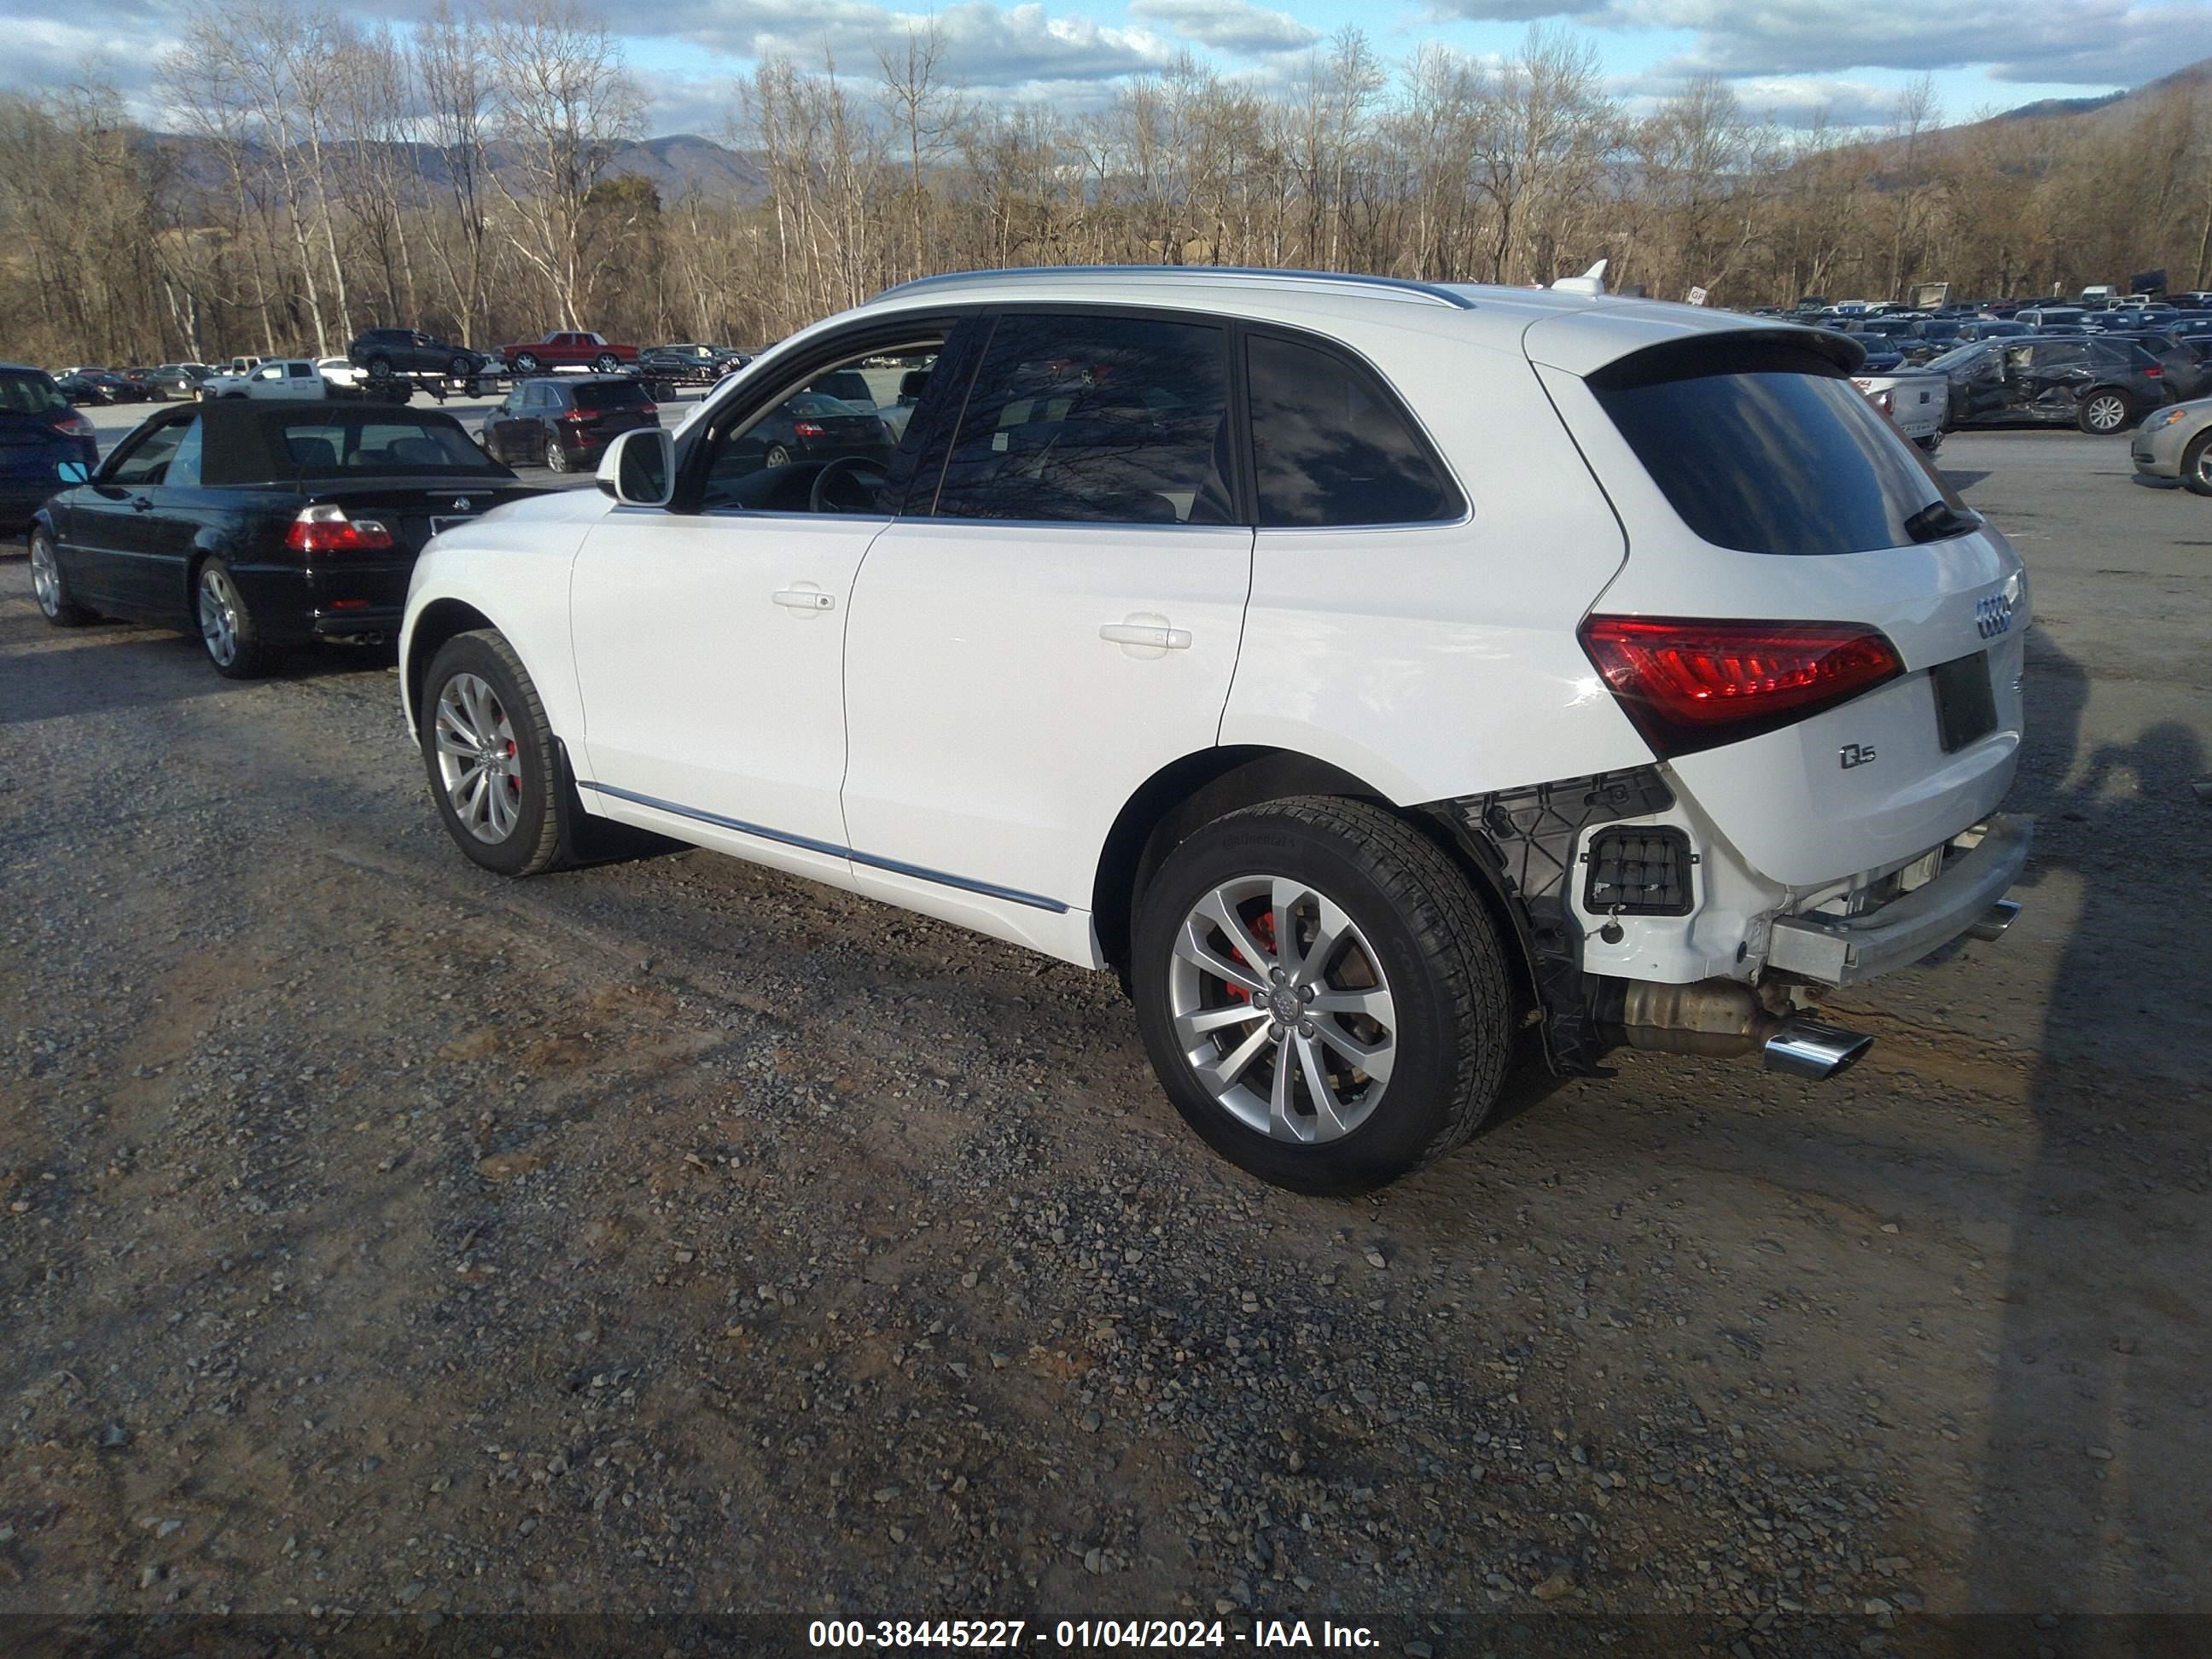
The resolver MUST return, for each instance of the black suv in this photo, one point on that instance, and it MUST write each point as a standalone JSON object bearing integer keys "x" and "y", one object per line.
{"x": 565, "y": 422}
{"x": 2101, "y": 382}
{"x": 384, "y": 351}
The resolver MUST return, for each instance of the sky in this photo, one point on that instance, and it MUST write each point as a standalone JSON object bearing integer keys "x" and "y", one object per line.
{"x": 1788, "y": 58}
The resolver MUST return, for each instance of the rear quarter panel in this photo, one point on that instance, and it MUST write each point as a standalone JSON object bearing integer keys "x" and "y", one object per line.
{"x": 1440, "y": 660}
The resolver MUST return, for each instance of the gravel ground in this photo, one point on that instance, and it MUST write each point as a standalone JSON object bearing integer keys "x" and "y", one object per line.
{"x": 672, "y": 1236}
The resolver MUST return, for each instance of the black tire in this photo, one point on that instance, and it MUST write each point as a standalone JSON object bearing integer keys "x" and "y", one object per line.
{"x": 777, "y": 456}
{"x": 2103, "y": 412}
{"x": 380, "y": 368}
{"x": 1434, "y": 945}
{"x": 50, "y": 586}
{"x": 607, "y": 362}
{"x": 460, "y": 369}
{"x": 556, "y": 459}
{"x": 526, "y": 363}
{"x": 231, "y": 636}
{"x": 2196, "y": 465}
{"x": 540, "y": 835}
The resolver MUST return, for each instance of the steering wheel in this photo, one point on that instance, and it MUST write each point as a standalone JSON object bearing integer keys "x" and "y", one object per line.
{"x": 845, "y": 468}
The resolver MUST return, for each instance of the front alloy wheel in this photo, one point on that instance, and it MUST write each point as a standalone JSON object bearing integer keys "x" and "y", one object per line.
{"x": 2104, "y": 412}
{"x": 50, "y": 586}
{"x": 556, "y": 459}
{"x": 478, "y": 763}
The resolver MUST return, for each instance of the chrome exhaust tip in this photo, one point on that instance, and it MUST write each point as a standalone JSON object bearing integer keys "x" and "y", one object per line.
{"x": 1994, "y": 920}
{"x": 1798, "y": 1047}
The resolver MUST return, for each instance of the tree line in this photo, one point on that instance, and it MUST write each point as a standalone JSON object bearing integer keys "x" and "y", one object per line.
{"x": 320, "y": 175}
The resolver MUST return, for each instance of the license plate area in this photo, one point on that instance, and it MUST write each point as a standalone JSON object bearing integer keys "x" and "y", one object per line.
{"x": 1966, "y": 703}
{"x": 439, "y": 525}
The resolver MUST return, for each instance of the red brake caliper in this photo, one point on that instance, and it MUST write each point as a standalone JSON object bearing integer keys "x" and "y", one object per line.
{"x": 1264, "y": 930}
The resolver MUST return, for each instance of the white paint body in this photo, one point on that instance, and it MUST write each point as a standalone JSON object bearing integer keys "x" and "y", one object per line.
{"x": 951, "y": 733}
{"x": 1917, "y": 404}
{"x": 276, "y": 378}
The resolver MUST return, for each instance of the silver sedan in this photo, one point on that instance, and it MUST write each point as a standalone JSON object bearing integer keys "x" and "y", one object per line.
{"x": 2176, "y": 442}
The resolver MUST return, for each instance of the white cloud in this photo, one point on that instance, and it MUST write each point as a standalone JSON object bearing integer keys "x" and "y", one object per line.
{"x": 1230, "y": 24}
{"x": 2071, "y": 42}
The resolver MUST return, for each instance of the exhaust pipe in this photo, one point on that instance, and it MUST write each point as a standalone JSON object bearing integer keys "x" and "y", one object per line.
{"x": 1810, "y": 1048}
{"x": 1720, "y": 1018}
{"x": 1994, "y": 920}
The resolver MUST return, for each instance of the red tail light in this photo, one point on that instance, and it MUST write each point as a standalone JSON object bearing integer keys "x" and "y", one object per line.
{"x": 808, "y": 429}
{"x": 653, "y": 409}
{"x": 2151, "y": 372}
{"x": 1690, "y": 684}
{"x": 75, "y": 425}
{"x": 327, "y": 528}
{"x": 577, "y": 415}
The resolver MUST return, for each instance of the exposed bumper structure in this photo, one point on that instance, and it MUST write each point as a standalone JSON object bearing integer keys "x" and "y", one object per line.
{"x": 1964, "y": 898}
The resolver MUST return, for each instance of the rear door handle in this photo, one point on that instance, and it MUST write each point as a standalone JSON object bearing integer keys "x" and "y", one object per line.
{"x": 804, "y": 599}
{"x": 1151, "y": 636}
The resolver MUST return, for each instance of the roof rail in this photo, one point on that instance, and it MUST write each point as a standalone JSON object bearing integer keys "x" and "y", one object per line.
{"x": 1433, "y": 293}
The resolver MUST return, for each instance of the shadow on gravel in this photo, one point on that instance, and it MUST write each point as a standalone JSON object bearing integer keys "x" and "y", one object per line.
{"x": 2070, "y": 1415}
{"x": 118, "y": 665}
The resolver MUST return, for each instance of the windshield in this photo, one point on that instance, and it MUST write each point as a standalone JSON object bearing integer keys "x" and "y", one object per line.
{"x": 392, "y": 445}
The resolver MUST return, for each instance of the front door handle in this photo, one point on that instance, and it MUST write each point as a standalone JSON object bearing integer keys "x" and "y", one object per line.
{"x": 804, "y": 599}
{"x": 1149, "y": 634}
{"x": 141, "y": 504}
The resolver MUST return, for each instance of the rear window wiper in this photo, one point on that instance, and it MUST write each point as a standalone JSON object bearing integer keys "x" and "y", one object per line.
{"x": 1938, "y": 519}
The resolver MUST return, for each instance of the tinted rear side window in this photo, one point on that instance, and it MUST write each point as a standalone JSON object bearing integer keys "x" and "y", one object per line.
{"x": 1332, "y": 447}
{"x": 1770, "y": 449}
{"x": 29, "y": 394}
{"x": 1101, "y": 420}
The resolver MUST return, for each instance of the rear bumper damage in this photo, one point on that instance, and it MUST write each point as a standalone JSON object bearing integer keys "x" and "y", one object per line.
{"x": 1967, "y": 896}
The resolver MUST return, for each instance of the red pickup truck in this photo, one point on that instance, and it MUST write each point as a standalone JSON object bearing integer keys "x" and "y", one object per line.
{"x": 563, "y": 349}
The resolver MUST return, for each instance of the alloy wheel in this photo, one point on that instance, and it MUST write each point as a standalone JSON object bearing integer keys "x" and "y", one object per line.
{"x": 1282, "y": 1009}
{"x": 556, "y": 459}
{"x": 2108, "y": 413}
{"x": 45, "y": 575}
{"x": 479, "y": 766}
{"x": 219, "y": 606}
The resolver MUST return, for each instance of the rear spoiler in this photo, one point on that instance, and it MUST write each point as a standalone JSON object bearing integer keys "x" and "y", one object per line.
{"x": 1785, "y": 348}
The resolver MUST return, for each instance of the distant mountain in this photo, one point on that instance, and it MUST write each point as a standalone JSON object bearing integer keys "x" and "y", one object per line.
{"x": 2111, "y": 106}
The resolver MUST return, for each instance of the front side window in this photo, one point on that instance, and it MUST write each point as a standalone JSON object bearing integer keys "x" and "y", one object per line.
{"x": 1766, "y": 448}
{"x": 1098, "y": 420}
{"x": 30, "y": 393}
{"x": 1330, "y": 447}
{"x": 770, "y": 460}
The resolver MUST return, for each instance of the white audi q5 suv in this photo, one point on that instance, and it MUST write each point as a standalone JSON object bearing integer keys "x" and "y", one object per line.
{"x": 1380, "y": 677}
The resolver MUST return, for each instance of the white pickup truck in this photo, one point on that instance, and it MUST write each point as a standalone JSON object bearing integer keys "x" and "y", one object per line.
{"x": 276, "y": 377}
{"x": 1916, "y": 404}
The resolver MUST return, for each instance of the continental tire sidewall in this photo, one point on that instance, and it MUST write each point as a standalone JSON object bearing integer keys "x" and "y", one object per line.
{"x": 534, "y": 844}
{"x": 1423, "y": 1111}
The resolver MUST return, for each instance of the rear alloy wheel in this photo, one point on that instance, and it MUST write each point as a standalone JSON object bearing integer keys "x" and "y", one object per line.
{"x": 460, "y": 369}
{"x": 226, "y": 627}
{"x": 51, "y": 587}
{"x": 1323, "y": 994}
{"x": 2196, "y": 465}
{"x": 556, "y": 459}
{"x": 525, "y": 363}
{"x": 493, "y": 764}
{"x": 608, "y": 362}
{"x": 380, "y": 368}
{"x": 777, "y": 456}
{"x": 2103, "y": 413}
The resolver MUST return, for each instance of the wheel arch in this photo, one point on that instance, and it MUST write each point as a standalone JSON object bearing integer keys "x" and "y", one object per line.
{"x": 436, "y": 623}
{"x": 1204, "y": 785}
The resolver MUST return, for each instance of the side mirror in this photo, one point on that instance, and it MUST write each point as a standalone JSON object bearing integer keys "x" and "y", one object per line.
{"x": 72, "y": 472}
{"x": 639, "y": 469}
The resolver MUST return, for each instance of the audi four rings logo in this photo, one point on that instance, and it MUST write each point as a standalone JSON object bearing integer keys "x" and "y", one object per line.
{"x": 1993, "y": 615}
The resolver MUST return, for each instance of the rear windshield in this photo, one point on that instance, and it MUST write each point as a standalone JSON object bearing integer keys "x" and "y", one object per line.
{"x": 1768, "y": 447}
{"x": 29, "y": 394}
{"x": 613, "y": 394}
{"x": 395, "y": 445}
